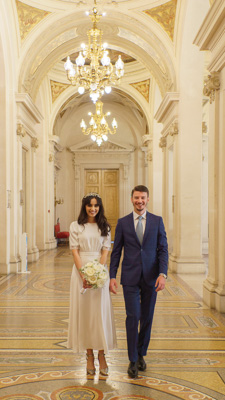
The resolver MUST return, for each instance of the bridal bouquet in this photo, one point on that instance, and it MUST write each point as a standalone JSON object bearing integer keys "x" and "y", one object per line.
{"x": 96, "y": 274}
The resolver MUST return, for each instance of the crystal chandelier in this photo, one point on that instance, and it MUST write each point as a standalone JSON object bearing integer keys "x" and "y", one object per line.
{"x": 99, "y": 128}
{"x": 100, "y": 74}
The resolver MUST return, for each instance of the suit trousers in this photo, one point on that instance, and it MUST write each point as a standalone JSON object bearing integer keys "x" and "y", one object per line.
{"x": 140, "y": 304}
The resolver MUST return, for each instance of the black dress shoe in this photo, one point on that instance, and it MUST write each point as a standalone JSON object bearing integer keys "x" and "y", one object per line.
{"x": 133, "y": 370}
{"x": 141, "y": 363}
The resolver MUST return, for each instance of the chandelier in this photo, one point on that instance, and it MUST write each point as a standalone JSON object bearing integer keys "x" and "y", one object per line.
{"x": 100, "y": 74}
{"x": 99, "y": 128}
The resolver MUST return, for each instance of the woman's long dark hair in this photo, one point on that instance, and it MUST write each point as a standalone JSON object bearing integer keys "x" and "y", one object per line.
{"x": 100, "y": 218}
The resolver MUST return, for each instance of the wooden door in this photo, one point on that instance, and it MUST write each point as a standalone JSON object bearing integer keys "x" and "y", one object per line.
{"x": 105, "y": 183}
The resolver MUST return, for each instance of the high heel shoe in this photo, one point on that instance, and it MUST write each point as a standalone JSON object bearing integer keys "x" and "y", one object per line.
{"x": 90, "y": 371}
{"x": 103, "y": 371}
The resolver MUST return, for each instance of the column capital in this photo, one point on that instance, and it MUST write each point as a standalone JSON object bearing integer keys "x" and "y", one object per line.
{"x": 35, "y": 143}
{"x": 211, "y": 84}
{"x": 162, "y": 142}
{"x": 20, "y": 130}
{"x": 174, "y": 130}
{"x": 146, "y": 139}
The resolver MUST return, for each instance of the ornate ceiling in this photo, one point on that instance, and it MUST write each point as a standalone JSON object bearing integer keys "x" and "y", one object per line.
{"x": 144, "y": 32}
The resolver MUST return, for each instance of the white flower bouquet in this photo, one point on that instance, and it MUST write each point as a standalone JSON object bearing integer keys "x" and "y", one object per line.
{"x": 95, "y": 274}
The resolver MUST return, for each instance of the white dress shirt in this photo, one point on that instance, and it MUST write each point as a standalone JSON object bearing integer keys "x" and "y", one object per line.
{"x": 143, "y": 220}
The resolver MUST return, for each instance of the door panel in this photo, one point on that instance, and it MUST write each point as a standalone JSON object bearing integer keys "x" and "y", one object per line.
{"x": 105, "y": 183}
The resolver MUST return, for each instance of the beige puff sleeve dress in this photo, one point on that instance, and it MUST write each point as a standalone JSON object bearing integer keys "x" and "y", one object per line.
{"x": 91, "y": 320}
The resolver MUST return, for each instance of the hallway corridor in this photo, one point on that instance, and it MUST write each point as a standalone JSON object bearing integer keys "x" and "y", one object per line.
{"x": 186, "y": 359}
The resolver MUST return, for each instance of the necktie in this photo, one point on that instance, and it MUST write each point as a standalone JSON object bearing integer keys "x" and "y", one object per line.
{"x": 139, "y": 229}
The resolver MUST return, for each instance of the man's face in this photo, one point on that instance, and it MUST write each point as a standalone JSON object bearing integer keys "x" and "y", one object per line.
{"x": 140, "y": 201}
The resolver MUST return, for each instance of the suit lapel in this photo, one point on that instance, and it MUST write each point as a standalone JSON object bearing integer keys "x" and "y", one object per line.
{"x": 131, "y": 226}
{"x": 148, "y": 225}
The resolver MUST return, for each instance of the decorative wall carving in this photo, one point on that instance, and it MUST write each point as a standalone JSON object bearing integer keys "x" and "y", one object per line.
{"x": 107, "y": 147}
{"x": 162, "y": 142}
{"x": 28, "y": 18}
{"x": 146, "y": 139}
{"x": 149, "y": 156}
{"x": 20, "y": 131}
{"x": 57, "y": 88}
{"x": 174, "y": 129}
{"x": 165, "y": 15}
{"x": 143, "y": 87}
{"x": 51, "y": 158}
{"x": 204, "y": 127}
{"x": 34, "y": 143}
{"x": 211, "y": 84}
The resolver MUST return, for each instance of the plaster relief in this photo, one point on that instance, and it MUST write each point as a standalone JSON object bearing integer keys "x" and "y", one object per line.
{"x": 28, "y": 18}
{"x": 57, "y": 88}
{"x": 143, "y": 87}
{"x": 165, "y": 15}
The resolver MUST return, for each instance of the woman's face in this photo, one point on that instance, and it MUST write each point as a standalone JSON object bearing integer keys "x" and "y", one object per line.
{"x": 92, "y": 209}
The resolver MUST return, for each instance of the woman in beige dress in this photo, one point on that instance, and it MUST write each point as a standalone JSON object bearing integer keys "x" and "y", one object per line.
{"x": 91, "y": 322}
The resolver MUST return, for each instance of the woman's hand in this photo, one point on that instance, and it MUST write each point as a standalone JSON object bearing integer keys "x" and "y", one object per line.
{"x": 86, "y": 285}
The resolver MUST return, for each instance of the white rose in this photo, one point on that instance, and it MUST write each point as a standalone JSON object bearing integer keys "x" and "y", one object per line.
{"x": 97, "y": 267}
{"x": 92, "y": 280}
{"x": 89, "y": 264}
{"x": 100, "y": 283}
{"x": 103, "y": 275}
{"x": 90, "y": 271}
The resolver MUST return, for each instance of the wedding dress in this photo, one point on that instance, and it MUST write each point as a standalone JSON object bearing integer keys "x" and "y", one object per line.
{"x": 91, "y": 320}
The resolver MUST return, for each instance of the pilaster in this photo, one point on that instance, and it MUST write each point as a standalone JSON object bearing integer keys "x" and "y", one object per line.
{"x": 28, "y": 116}
{"x": 211, "y": 37}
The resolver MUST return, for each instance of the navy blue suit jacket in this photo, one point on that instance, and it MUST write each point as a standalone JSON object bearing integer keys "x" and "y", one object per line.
{"x": 151, "y": 257}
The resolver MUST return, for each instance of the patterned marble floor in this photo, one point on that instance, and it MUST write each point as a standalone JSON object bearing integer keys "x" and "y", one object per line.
{"x": 186, "y": 358}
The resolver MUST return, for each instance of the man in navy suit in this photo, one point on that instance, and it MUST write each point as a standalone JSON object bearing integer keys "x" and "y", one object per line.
{"x": 142, "y": 236}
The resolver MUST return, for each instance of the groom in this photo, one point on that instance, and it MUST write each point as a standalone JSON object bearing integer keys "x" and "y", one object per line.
{"x": 144, "y": 271}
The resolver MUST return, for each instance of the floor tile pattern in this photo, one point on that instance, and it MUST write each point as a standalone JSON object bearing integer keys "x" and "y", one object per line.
{"x": 186, "y": 358}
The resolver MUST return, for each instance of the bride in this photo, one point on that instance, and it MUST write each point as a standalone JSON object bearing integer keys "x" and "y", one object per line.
{"x": 91, "y": 321}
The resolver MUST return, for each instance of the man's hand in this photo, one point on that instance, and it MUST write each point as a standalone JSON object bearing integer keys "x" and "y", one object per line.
{"x": 160, "y": 283}
{"x": 113, "y": 286}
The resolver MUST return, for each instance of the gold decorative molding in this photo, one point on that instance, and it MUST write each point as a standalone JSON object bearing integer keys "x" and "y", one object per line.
{"x": 34, "y": 143}
{"x": 57, "y": 88}
{"x": 50, "y": 158}
{"x": 204, "y": 127}
{"x": 143, "y": 87}
{"x": 28, "y": 17}
{"x": 20, "y": 131}
{"x": 149, "y": 156}
{"x": 162, "y": 142}
{"x": 146, "y": 139}
{"x": 165, "y": 15}
{"x": 211, "y": 84}
{"x": 174, "y": 129}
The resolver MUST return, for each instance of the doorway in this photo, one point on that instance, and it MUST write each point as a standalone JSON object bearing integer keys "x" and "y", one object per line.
{"x": 105, "y": 182}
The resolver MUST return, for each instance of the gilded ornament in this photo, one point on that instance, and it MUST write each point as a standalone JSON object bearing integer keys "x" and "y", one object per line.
{"x": 146, "y": 139}
{"x": 143, "y": 87}
{"x": 204, "y": 127}
{"x": 34, "y": 143}
{"x": 149, "y": 156}
{"x": 21, "y": 131}
{"x": 165, "y": 15}
{"x": 211, "y": 84}
{"x": 174, "y": 129}
{"x": 28, "y": 17}
{"x": 162, "y": 142}
{"x": 57, "y": 88}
